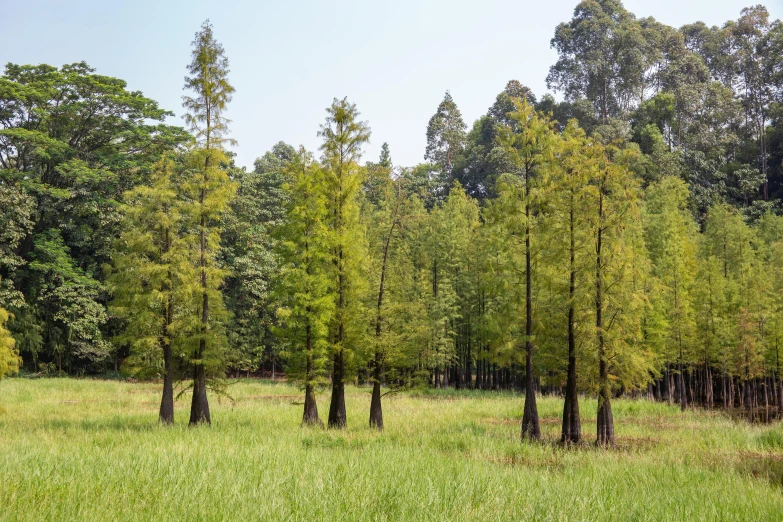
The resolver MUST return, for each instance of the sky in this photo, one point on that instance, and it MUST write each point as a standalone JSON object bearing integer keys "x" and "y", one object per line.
{"x": 290, "y": 59}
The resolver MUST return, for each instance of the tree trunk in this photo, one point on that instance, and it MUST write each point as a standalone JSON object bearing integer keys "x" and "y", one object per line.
{"x": 166, "y": 415}
{"x": 572, "y": 427}
{"x": 167, "y": 401}
{"x": 337, "y": 416}
{"x": 604, "y": 421}
{"x": 310, "y": 415}
{"x": 376, "y": 410}
{"x": 530, "y": 426}
{"x": 199, "y": 407}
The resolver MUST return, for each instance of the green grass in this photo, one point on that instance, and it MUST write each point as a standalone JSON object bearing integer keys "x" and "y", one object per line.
{"x": 91, "y": 450}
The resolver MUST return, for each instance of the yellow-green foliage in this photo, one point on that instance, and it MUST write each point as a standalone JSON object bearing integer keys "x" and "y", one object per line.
{"x": 9, "y": 358}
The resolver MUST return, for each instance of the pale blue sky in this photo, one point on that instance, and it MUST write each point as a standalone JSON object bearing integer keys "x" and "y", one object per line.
{"x": 289, "y": 59}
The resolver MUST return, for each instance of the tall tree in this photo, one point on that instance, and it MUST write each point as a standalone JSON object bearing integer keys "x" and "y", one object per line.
{"x": 343, "y": 136}
{"x": 445, "y": 137}
{"x": 616, "y": 292}
{"x": 671, "y": 242}
{"x": 148, "y": 264}
{"x": 600, "y": 58}
{"x": 304, "y": 287}
{"x": 529, "y": 143}
{"x": 211, "y": 191}
{"x": 569, "y": 254}
{"x": 390, "y": 218}
{"x": 72, "y": 141}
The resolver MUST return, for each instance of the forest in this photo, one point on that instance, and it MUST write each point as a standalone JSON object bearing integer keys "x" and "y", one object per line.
{"x": 619, "y": 237}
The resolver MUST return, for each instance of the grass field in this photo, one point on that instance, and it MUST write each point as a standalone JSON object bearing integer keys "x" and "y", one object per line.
{"x": 91, "y": 450}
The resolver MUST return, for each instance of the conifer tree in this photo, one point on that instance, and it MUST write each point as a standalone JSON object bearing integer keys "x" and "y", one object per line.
{"x": 210, "y": 192}
{"x": 528, "y": 141}
{"x": 445, "y": 137}
{"x": 671, "y": 242}
{"x": 569, "y": 248}
{"x": 149, "y": 262}
{"x": 343, "y": 137}
{"x": 305, "y": 285}
{"x": 387, "y": 218}
{"x": 618, "y": 292}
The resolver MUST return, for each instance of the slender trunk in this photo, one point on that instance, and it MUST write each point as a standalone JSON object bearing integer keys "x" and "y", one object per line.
{"x": 166, "y": 415}
{"x": 310, "y": 415}
{"x": 337, "y": 415}
{"x": 604, "y": 421}
{"x": 376, "y": 409}
{"x": 572, "y": 428}
{"x": 167, "y": 401}
{"x": 530, "y": 426}
{"x": 199, "y": 407}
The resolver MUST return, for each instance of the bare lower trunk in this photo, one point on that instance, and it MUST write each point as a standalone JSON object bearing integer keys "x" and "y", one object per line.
{"x": 310, "y": 415}
{"x": 167, "y": 401}
{"x": 604, "y": 421}
{"x": 572, "y": 427}
{"x": 337, "y": 416}
{"x": 376, "y": 410}
{"x": 530, "y": 426}
{"x": 199, "y": 407}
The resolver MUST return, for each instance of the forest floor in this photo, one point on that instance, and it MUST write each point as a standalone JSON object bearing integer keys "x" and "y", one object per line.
{"x": 92, "y": 450}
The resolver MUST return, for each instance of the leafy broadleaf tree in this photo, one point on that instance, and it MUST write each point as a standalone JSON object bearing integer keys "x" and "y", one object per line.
{"x": 72, "y": 141}
{"x": 600, "y": 58}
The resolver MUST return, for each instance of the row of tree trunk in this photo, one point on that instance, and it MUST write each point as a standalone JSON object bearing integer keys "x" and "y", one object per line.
{"x": 708, "y": 387}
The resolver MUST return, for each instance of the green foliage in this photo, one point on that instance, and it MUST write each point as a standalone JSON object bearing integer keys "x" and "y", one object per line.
{"x": 445, "y": 136}
{"x": 150, "y": 270}
{"x": 209, "y": 82}
{"x": 305, "y": 287}
{"x": 72, "y": 142}
{"x": 9, "y": 357}
{"x": 343, "y": 137}
{"x": 248, "y": 252}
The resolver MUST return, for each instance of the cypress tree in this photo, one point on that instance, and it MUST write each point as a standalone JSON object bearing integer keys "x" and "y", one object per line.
{"x": 528, "y": 141}
{"x": 210, "y": 192}
{"x": 304, "y": 287}
{"x": 343, "y": 138}
{"x": 149, "y": 260}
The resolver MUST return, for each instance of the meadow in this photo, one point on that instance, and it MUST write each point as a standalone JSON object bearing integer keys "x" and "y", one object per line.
{"x": 78, "y": 449}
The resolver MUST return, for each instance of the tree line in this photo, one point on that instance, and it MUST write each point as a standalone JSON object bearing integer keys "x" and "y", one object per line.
{"x": 623, "y": 240}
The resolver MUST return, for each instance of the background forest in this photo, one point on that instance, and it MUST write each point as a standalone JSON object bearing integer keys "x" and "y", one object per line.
{"x": 624, "y": 237}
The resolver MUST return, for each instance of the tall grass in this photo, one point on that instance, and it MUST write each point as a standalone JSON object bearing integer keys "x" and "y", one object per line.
{"x": 92, "y": 450}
